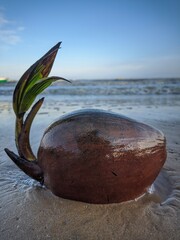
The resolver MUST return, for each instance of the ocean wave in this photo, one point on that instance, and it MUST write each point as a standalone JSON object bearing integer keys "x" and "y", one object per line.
{"x": 108, "y": 87}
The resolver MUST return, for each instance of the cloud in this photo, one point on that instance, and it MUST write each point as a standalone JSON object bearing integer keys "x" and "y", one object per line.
{"x": 9, "y": 32}
{"x": 100, "y": 71}
{"x": 3, "y": 20}
{"x": 164, "y": 66}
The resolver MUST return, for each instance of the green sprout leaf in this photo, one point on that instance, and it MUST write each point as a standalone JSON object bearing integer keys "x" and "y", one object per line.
{"x": 37, "y": 71}
{"x": 35, "y": 90}
{"x": 33, "y": 82}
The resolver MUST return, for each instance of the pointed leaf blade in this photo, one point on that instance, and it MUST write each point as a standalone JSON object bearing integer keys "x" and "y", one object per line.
{"x": 40, "y": 68}
{"x": 23, "y": 141}
{"x": 39, "y": 87}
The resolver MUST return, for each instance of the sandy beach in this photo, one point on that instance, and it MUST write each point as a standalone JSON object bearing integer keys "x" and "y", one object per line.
{"x": 29, "y": 211}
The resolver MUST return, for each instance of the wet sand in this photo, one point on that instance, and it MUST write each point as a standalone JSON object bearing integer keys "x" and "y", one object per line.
{"x": 28, "y": 211}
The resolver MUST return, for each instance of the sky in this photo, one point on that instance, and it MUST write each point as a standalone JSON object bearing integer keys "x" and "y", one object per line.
{"x": 100, "y": 39}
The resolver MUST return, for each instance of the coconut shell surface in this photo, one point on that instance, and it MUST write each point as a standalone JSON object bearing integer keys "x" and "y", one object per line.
{"x": 100, "y": 157}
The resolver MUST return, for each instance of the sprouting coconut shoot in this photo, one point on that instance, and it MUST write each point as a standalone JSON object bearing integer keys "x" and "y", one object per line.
{"x": 89, "y": 155}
